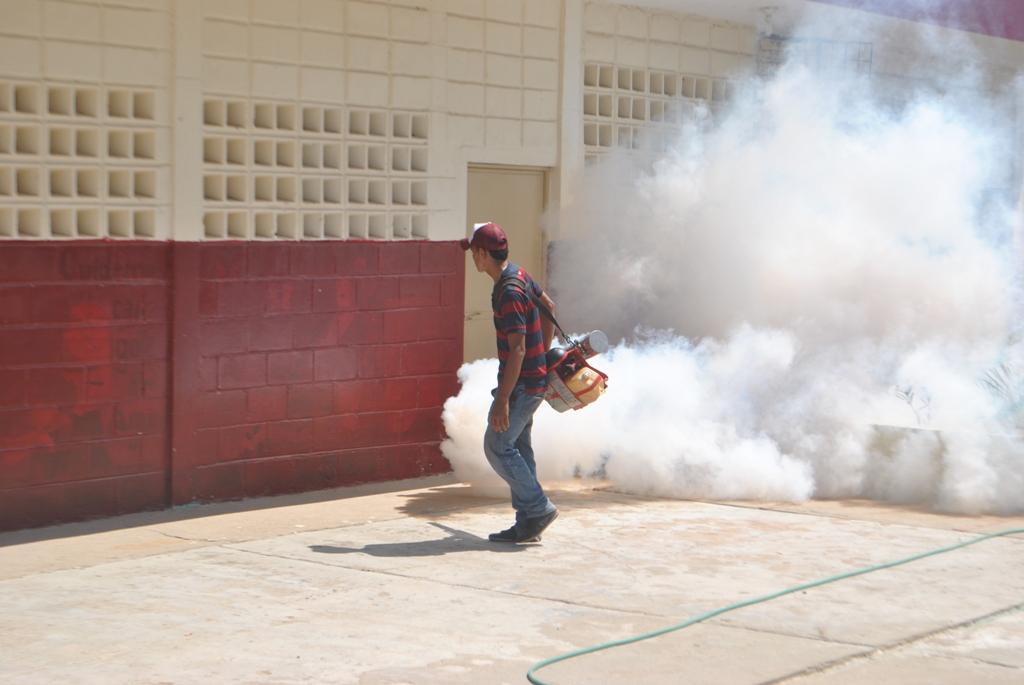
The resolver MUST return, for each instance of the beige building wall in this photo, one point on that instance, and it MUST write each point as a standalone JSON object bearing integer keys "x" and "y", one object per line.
{"x": 906, "y": 49}
{"x": 291, "y": 120}
{"x": 630, "y": 77}
{"x": 362, "y": 116}
{"x": 85, "y": 124}
{"x": 645, "y": 70}
{"x": 977, "y": 71}
{"x": 309, "y": 119}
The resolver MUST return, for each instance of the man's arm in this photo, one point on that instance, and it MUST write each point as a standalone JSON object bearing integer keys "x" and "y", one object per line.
{"x": 513, "y": 365}
{"x": 547, "y": 326}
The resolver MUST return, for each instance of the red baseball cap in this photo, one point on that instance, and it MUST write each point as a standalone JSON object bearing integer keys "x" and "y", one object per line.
{"x": 488, "y": 236}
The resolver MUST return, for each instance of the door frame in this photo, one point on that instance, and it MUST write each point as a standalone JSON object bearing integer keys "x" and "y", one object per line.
{"x": 538, "y": 264}
{"x": 545, "y": 183}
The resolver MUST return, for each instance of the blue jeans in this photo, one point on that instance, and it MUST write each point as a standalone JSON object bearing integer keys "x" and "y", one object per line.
{"x": 511, "y": 456}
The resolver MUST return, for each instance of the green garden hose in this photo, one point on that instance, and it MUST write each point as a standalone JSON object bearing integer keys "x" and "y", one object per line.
{"x": 732, "y": 607}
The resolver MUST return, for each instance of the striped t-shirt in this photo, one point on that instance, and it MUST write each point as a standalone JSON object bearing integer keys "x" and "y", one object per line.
{"x": 516, "y": 313}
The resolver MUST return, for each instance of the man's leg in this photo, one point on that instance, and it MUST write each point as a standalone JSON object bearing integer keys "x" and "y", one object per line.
{"x": 516, "y": 468}
{"x": 524, "y": 443}
{"x": 533, "y": 526}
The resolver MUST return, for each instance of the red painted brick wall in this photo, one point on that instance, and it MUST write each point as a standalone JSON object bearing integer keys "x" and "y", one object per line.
{"x": 323, "y": 364}
{"x": 137, "y": 375}
{"x": 83, "y": 380}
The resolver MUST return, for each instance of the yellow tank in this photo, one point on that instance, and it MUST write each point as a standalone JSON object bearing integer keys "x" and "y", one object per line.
{"x": 586, "y": 384}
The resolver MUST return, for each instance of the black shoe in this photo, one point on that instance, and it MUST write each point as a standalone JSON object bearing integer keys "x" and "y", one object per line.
{"x": 537, "y": 525}
{"x": 510, "y": 535}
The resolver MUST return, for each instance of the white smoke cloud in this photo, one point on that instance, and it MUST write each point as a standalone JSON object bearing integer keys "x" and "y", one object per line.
{"x": 788, "y": 286}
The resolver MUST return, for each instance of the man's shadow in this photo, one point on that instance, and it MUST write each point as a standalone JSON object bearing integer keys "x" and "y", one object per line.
{"x": 457, "y": 541}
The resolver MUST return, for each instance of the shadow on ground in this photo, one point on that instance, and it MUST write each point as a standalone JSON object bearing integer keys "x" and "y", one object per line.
{"x": 457, "y": 541}
{"x": 438, "y": 502}
{"x": 198, "y": 510}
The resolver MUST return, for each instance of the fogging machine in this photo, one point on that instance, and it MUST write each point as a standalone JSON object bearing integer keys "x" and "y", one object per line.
{"x": 572, "y": 382}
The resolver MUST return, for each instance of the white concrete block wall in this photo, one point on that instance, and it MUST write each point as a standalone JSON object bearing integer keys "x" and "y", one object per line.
{"x": 482, "y": 74}
{"x": 481, "y": 77}
{"x": 334, "y": 135}
{"x": 502, "y": 58}
{"x": 292, "y": 119}
{"x": 643, "y": 70}
{"x": 500, "y": 72}
{"x": 85, "y": 139}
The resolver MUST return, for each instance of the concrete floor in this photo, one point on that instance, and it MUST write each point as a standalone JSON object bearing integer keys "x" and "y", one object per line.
{"x": 366, "y": 586}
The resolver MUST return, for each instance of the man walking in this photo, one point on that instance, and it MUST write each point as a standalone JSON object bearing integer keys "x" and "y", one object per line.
{"x": 524, "y": 337}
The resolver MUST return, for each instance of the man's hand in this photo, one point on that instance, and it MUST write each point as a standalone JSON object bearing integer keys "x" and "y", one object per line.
{"x": 498, "y": 417}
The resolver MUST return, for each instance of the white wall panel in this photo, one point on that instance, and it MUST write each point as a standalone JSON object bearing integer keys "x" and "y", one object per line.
{"x": 322, "y": 15}
{"x": 465, "y": 131}
{"x": 68, "y": 20}
{"x": 465, "y": 98}
{"x": 227, "y": 9}
{"x": 542, "y": 13}
{"x": 598, "y": 47}
{"x": 136, "y": 67}
{"x": 503, "y": 132}
{"x": 323, "y": 85}
{"x": 73, "y": 61}
{"x": 367, "y": 19}
{"x": 664, "y": 55}
{"x": 20, "y": 17}
{"x": 504, "y": 70}
{"x": 639, "y": 68}
{"x": 464, "y": 65}
{"x": 226, "y": 76}
{"x": 664, "y": 27}
{"x": 225, "y": 39}
{"x": 465, "y": 33}
{"x": 725, "y": 38}
{"x": 599, "y": 18}
{"x": 504, "y": 102}
{"x": 694, "y": 60}
{"x": 325, "y": 49}
{"x": 541, "y": 74}
{"x": 410, "y": 92}
{"x": 368, "y": 89}
{"x": 291, "y": 106}
{"x": 137, "y": 28}
{"x": 274, "y": 44}
{"x": 275, "y": 80}
{"x": 503, "y": 38}
{"x": 466, "y": 8}
{"x": 631, "y": 21}
{"x": 21, "y": 57}
{"x": 631, "y": 51}
{"x": 84, "y": 119}
{"x": 411, "y": 59}
{"x": 540, "y": 42}
{"x": 540, "y": 134}
{"x": 695, "y": 32}
{"x": 410, "y": 25}
{"x": 274, "y": 12}
{"x": 367, "y": 54}
{"x": 505, "y": 10}
{"x": 540, "y": 105}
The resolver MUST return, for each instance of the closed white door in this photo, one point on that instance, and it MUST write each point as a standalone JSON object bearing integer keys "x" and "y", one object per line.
{"x": 513, "y": 198}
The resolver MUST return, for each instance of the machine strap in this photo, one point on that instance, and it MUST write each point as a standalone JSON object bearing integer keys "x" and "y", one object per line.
{"x": 519, "y": 283}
